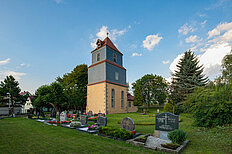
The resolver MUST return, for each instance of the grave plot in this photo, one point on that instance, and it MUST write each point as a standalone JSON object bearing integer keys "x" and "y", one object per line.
{"x": 166, "y": 138}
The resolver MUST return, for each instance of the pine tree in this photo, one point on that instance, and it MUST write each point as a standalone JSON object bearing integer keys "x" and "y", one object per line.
{"x": 189, "y": 74}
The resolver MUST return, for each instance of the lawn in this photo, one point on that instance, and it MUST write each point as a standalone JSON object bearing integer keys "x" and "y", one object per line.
{"x": 19, "y": 135}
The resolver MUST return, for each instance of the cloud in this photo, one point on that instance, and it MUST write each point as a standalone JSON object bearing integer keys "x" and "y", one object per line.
{"x": 151, "y": 40}
{"x": 185, "y": 29}
{"x": 26, "y": 65}
{"x": 136, "y": 54}
{"x": 166, "y": 62}
{"x": 219, "y": 3}
{"x": 192, "y": 38}
{"x": 17, "y": 75}
{"x": 219, "y": 29}
{"x": 211, "y": 59}
{"x": 3, "y": 62}
{"x": 203, "y": 23}
{"x": 102, "y": 34}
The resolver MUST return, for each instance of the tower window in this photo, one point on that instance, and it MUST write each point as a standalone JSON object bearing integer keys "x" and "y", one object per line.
{"x": 112, "y": 98}
{"x": 115, "y": 57}
{"x": 116, "y": 75}
{"x": 122, "y": 99}
{"x": 98, "y": 56}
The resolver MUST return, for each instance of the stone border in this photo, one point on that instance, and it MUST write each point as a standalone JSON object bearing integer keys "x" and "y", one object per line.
{"x": 162, "y": 149}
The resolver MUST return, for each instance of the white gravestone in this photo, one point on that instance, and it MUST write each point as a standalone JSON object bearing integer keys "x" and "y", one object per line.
{"x": 63, "y": 116}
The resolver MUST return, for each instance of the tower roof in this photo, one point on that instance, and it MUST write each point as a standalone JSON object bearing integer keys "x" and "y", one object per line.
{"x": 107, "y": 42}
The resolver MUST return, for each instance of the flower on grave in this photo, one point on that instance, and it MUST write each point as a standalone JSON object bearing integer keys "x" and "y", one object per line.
{"x": 133, "y": 132}
{"x": 70, "y": 121}
{"x": 89, "y": 127}
{"x": 58, "y": 122}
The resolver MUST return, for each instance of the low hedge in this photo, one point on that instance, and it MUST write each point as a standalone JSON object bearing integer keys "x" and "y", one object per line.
{"x": 116, "y": 133}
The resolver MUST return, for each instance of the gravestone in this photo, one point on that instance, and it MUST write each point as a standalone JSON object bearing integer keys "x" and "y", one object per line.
{"x": 102, "y": 121}
{"x": 128, "y": 124}
{"x": 83, "y": 119}
{"x": 53, "y": 113}
{"x": 89, "y": 114}
{"x": 165, "y": 122}
{"x": 63, "y": 116}
{"x": 101, "y": 115}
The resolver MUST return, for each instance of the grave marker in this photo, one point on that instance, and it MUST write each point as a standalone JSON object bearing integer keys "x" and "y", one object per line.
{"x": 101, "y": 115}
{"x": 63, "y": 116}
{"x": 128, "y": 124}
{"x": 102, "y": 121}
{"x": 89, "y": 114}
{"x": 83, "y": 119}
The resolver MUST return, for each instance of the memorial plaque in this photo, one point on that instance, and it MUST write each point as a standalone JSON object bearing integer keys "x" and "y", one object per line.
{"x": 128, "y": 124}
{"x": 101, "y": 115}
{"x": 166, "y": 121}
{"x": 89, "y": 114}
{"x": 63, "y": 116}
{"x": 83, "y": 119}
{"x": 102, "y": 121}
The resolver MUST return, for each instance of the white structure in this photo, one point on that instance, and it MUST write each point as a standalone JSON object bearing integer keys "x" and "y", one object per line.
{"x": 28, "y": 105}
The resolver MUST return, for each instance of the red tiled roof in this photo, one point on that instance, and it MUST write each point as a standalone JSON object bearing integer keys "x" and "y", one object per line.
{"x": 130, "y": 97}
{"x": 109, "y": 43}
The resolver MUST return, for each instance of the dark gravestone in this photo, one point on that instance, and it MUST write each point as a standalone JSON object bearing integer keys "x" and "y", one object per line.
{"x": 90, "y": 114}
{"x": 102, "y": 121}
{"x": 128, "y": 124}
{"x": 83, "y": 119}
{"x": 166, "y": 121}
{"x": 101, "y": 115}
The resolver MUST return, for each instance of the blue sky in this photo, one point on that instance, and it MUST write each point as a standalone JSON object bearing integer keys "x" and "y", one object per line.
{"x": 43, "y": 39}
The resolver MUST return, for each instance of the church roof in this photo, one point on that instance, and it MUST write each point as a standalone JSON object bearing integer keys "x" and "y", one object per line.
{"x": 109, "y": 43}
{"x": 130, "y": 97}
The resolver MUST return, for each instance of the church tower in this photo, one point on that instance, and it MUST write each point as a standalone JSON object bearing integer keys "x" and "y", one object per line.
{"x": 106, "y": 89}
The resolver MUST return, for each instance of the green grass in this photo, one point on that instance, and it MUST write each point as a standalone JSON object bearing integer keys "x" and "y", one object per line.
{"x": 202, "y": 140}
{"x": 18, "y": 135}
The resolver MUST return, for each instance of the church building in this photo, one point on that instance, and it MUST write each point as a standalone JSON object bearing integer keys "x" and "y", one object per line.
{"x": 107, "y": 90}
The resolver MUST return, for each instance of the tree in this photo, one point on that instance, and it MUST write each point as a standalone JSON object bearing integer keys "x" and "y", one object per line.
{"x": 227, "y": 68}
{"x": 187, "y": 76}
{"x": 153, "y": 87}
{"x": 75, "y": 85}
{"x": 138, "y": 96}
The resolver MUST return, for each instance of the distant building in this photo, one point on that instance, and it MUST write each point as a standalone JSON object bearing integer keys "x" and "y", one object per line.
{"x": 107, "y": 89}
{"x": 28, "y": 105}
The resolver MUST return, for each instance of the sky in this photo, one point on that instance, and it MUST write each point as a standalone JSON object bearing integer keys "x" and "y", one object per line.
{"x": 43, "y": 39}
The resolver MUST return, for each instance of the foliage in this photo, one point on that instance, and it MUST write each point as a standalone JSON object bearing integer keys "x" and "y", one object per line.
{"x": 116, "y": 132}
{"x": 75, "y": 124}
{"x": 153, "y": 89}
{"x": 187, "y": 76}
{"x": 177, "y": 136}
{"x": 74, "y": 84}
{"x": 168, "y": 107}
{"x": 10, "y": 85}
{"x": 227, "y": 68}
{"x": 138, "y": 96}
{"x": 211, "y": 106}
{"x": 93, "y": 127}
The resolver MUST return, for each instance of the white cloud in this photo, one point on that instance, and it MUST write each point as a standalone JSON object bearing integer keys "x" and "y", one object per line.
{"x": 192, "y": 38}
{"x": 113, "y": 34}
{"x": 172, "y": 66}
{"x": 3, "y": 62}
{"x": 166, "y": 62}
{"x": 203, "y": 23}
{"x": 17, "y": 75}
{"x": 136, "y": 54}
{"x": 185, "y": 29}
{"x": 26, "y": 65}
{"x": 219, "y": 29}
{"x": 151, "y": 40}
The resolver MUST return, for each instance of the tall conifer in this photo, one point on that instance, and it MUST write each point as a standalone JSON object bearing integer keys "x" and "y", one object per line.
{"x": 189, "y": 74}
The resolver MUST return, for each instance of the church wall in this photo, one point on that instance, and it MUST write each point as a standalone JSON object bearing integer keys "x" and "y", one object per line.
{"x": 110, "y": 74}
{"x": 110, "y": 57}
{"x": 117, "y": 107}
{"x": 96, "y": 98}
{"x": 132, "y": 108}
{"x": 97, "y": 73}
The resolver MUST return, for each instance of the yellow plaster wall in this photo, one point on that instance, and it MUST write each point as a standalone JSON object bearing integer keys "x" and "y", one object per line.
{"x": 96, "y": 98}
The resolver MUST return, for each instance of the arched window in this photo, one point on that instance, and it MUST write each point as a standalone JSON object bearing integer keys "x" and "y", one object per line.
{"x": 112, "y": 98}
{"x": 122, "y": 99}
{"x": 115, "y": 57}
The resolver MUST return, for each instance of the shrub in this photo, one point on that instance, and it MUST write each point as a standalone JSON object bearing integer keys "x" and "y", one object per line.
{"x": 75, "y": 124}
{"x": 177, "y": 136}
{"x": 168, "y": 107}
{"x": 117, "y": 133}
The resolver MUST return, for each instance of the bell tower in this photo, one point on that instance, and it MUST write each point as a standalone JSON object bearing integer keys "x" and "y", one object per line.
{"x": 106, "y": 89}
